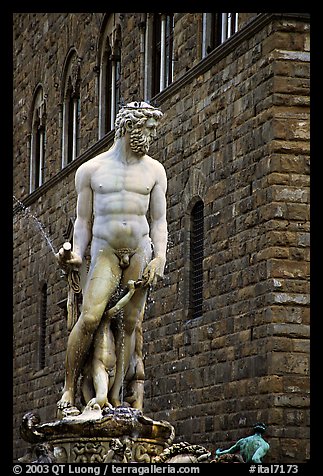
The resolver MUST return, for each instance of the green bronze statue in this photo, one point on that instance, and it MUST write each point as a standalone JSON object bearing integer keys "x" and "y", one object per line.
{"x": 252, "y": 448}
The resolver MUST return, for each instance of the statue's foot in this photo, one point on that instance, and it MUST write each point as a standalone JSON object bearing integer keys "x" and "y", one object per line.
{"x": 66, "y": 407}
{"x": 102, "y": 402}
{"x": 115, "y": 402}
{"x": 92, "y": 407}
{"x": 91, "y": 412}
{"x": 66, "y": 400}
{"x": 135, "y": 394}
{"x": 137, "y": 404}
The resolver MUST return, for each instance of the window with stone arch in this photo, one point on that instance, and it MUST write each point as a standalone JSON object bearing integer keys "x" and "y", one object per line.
{"x": 196, "y": 256}
{"x": 109, "y": 68}
{"x": 37, "y": 140}
{"x": 159, "y": 53}
{"x": 71, "y": 108}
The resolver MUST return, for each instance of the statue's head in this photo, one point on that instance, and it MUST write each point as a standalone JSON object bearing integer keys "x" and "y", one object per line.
{"x": 139, "y": 119}
{"x": 260, "y": 427}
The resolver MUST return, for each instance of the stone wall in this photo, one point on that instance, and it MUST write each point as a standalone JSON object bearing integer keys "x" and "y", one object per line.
{"x": 235, "y": 133}
{"x": 241, "y": 144}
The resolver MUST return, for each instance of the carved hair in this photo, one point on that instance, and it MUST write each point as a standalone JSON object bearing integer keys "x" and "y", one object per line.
{"x": 130, "y": 118}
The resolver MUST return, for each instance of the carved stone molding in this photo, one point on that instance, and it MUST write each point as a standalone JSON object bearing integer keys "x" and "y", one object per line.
{"x": 122, "y": 435}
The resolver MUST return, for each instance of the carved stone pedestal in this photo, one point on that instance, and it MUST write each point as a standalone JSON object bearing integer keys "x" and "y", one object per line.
{"x": 122, "y": 435}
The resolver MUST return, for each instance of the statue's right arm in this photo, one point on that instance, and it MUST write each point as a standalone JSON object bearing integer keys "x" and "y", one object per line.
{"x": 230, "y": 450}
{"x": 83, "y": 222}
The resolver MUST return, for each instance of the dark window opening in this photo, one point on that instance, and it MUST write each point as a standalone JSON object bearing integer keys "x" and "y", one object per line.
{"x": 37, "y": 157}
{"x": 162, "y": 52}
{"x": 169, "y": 49}
{"x": 215, "y": 32}
{"x": 156, "y": 57}
{"x": 217, "y": 28}
{"x": 42, "y": 327}
{"x": 70, "y": 129}
{"x": 108, "y": 82}
{"x": 117, "y": 88}
{"x": 196, "y": 260}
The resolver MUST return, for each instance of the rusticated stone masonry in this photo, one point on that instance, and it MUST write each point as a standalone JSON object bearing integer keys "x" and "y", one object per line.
{"x": 235, "y": 133}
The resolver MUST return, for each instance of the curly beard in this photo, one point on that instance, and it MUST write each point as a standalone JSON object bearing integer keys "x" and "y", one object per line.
{"x": 138, "y": 142}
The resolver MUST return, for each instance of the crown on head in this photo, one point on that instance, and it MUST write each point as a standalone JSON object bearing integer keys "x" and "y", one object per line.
{"x": 139, "y": 105}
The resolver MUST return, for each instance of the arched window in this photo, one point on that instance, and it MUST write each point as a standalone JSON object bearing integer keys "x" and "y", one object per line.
{"x": 159, "y": 53}
{"x": 42, "y": 327}
{"x": 71, "y": 109}
{"x": 196, "y": 260}
{"x": 109, "y": 78}
{"x": 37, "y": 140}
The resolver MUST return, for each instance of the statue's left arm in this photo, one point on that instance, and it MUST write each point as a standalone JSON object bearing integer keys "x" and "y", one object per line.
{"x": 158, "y": 227}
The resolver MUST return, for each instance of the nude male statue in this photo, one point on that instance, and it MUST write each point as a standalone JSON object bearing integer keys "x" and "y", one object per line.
{"x": 252, "y": 448}
{"x": 115, "y": 191}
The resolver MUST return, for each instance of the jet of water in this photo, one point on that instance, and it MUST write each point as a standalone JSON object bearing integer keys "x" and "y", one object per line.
{"x": 36, "y": 221}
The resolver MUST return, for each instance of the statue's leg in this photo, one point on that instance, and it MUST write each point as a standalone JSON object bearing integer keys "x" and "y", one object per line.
{"x": 135, "y": 386}
{"x": 126, "y": 342}
{"x": 132, "y": 316}
{"x": 135, "y": 376}
{"x": 103, "y": 363}
{"x": 100, "y": 382}
{"x": 102, "y": 282}
{"x": 87, "y": 381}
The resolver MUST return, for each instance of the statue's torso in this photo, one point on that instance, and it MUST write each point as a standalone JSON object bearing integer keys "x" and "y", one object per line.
{"x": 250, "y": 444}
{"x": 121, "y": 195}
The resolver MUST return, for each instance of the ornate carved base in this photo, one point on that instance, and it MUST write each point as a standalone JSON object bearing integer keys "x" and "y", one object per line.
{"x": 122, "y": 435}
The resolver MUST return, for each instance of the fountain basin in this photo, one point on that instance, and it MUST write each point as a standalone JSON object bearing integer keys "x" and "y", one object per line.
{"x": 121, "y": 435}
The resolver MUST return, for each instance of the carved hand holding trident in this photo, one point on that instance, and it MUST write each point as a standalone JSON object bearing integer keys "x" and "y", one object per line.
{"x": 64, "y": 256}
